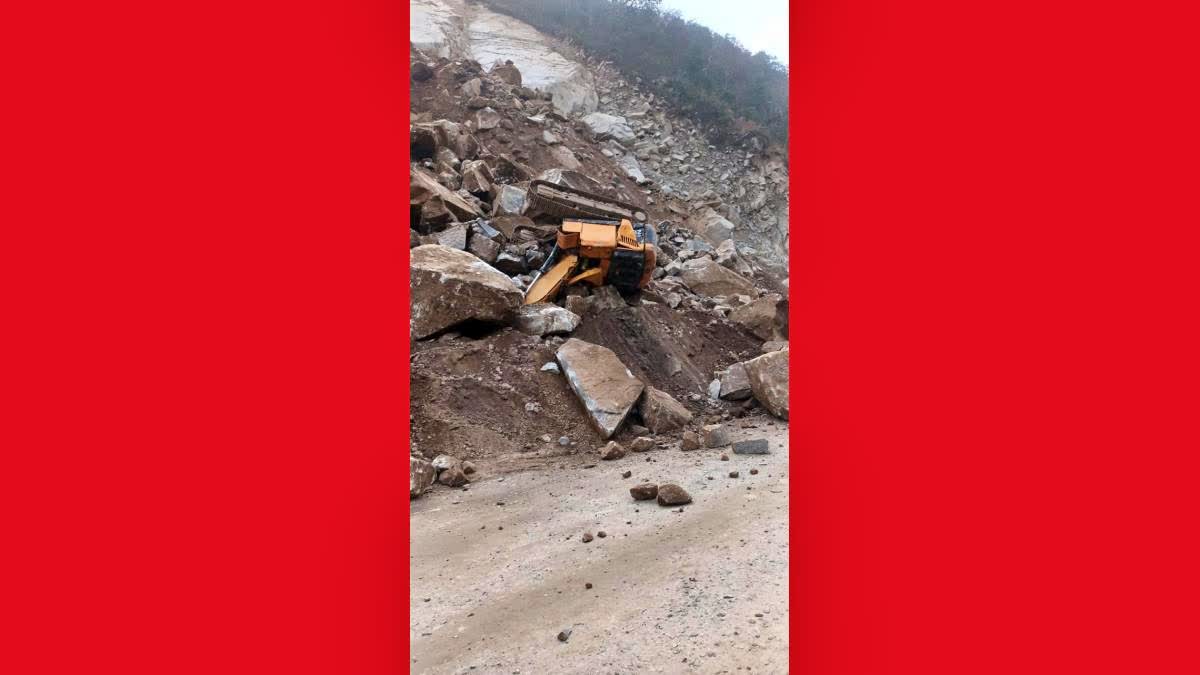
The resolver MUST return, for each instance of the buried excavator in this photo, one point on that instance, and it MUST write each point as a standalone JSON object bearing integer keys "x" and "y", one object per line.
{"x": 600, "y": 241}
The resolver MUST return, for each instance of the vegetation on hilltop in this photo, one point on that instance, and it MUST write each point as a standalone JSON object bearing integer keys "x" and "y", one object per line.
{"x": 710, "y": 77}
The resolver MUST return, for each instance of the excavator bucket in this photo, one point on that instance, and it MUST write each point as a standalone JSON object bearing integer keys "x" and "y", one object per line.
{"x": 546, "y": 286}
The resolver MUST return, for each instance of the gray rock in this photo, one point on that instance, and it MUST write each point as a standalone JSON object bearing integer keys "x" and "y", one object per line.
{"x": 714, "y": 389}
{"x": 765, "y": 317}
{"x": 610, "y": 126}
{"x": 443, "y": 462}
{"x": 545, "y": 319}
{"x": 510, "y": 261}
{"x": 735, "y": 384}
{"x": 454, "y": 237}
{"x": 485, "y": 249}
{"x": 550, "y": 367}
{"x": 509, "y": 200}
{"x": 757, "y": 446}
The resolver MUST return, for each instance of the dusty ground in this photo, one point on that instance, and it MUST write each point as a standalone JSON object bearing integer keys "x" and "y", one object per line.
{"x": 698, "y": 591}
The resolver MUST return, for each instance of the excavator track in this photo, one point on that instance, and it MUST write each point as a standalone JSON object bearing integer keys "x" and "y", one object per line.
{"x": 561, "y": 201}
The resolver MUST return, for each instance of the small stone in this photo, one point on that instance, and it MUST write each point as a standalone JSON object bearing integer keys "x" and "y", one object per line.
{"x": 691, "y": 441}
{"x": 564, "y": 441}
{"x": 716, "y": 436}
{"x": 733, "y": 474}
{"x": 468, "y": 467}
{"x": 757, "y": 446}
{"x": 587, "y": 537}
{"x": 602, "y": 534}
{"x": 545, "y": 438}
{"x": 644, "y": 491}
{"x": 550, "y": 367}
{"x": 564, "y": 635}
{"x": 642, "y": 444}
{"x": 612, "y": 451}
{"x": 724, "y": 457}
{"x": 671, "y": 494}
{"x": 753, "y": 472}
{"x": 627, "y": 474}
{"x": 588, "y": 585}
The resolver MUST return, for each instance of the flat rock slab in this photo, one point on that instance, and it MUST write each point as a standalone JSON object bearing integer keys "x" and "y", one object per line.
{"x": 757, "y": 446}
{"x": 449, "y": 287}
{"x": 603, "y": 384}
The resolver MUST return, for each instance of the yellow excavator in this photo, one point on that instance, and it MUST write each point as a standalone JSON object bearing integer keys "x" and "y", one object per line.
{"x": 600, "y": 241}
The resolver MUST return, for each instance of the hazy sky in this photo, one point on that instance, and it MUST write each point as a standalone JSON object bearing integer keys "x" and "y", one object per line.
{"x": 760, "y": 25}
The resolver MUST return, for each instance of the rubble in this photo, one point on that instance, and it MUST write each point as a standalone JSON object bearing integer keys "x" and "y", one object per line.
{"x": 691, "y": 441}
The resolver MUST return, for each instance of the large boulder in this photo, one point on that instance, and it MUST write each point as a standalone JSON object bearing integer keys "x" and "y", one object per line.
{"x": 610, "y": 126}
{"x": 449, "y": 287}
{"x": 477, "y": 178}
{"x": 450, "y": 135}
{"x": 661, "y": 412}
{"x": 423, "y": 186}
{"x": 769, "y": 380}
{"x": 711, "y": 225}
{"x": 603, "y": 384}
{"x": 765, "y": 317}
{"x": 544, "y": 318}
{"x": 705, "y": 277}
{"x": 629, "y": 165}
{"x": 421, "y": 475}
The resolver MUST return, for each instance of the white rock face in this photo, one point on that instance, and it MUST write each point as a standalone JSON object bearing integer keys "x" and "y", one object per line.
{"x": 436, "y": 26}
{"x": 545, "y": 319}
{"x": 454, "y": 29}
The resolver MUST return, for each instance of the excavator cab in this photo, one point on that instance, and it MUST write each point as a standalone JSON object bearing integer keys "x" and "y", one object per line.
{"x": 619, "y": 251}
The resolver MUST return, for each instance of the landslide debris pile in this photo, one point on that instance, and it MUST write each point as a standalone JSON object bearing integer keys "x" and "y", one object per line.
{"x": 496, "y": 385}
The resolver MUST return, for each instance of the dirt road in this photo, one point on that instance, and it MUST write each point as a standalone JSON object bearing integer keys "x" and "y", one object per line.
{"x": 698, "y": 591}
